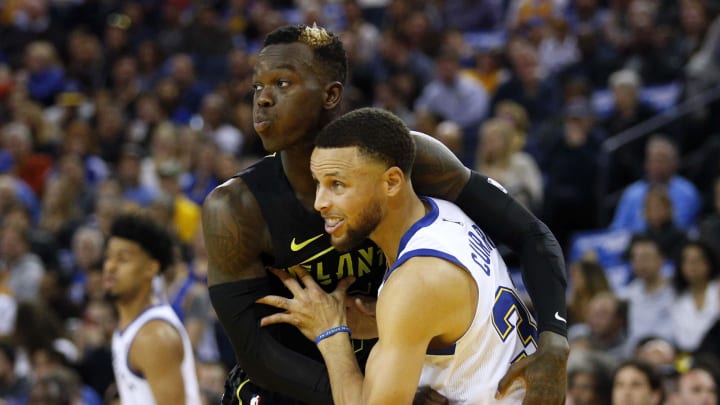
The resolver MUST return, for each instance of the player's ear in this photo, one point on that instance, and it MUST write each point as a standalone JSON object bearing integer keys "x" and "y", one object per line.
{"x": 333, "y": 95}
{"x": 154, "y": 267}
{"x": 394, "y": 180}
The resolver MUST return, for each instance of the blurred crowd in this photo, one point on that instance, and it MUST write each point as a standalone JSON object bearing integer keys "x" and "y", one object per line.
{"x": 597, "y": 115}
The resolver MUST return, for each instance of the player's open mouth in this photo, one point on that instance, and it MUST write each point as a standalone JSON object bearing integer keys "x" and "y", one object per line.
{"x": 331, "y": 224}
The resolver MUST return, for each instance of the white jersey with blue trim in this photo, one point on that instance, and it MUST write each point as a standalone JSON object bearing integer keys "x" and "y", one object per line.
{"x": 134, "y": 388}
{"x": 502, "y": 332}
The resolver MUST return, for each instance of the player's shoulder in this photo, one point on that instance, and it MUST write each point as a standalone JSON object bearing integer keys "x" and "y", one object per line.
{"x": 158, "y": 340}
{"x": 232, "y": 195}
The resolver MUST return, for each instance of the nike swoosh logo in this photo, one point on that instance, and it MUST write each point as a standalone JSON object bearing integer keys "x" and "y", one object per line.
{"x": 560, "y": 318}
{"x": 298, "y": 246}
{"x": 318, "y": 255}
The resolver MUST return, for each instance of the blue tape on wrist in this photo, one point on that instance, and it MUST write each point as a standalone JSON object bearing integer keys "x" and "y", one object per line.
{"x": 332, "y": 331}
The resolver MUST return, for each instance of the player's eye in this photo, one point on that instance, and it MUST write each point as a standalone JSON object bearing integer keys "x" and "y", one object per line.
{"x": 283, "y": 83}
{"x": 256, "y": 87}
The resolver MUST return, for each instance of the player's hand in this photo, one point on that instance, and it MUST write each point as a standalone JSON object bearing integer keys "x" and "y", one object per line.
{"x": 360, "y": 310}
{"x": 428, "y": 396}
{"x": 311, "y": 309}
{"x": 544, "y": 373}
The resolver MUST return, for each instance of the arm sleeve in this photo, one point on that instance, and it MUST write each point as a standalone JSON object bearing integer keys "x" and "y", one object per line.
{"x": 268, "y": 363}
{"x": 509, "y": 223}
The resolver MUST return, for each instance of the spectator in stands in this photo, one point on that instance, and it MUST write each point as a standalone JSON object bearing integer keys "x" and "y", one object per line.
{"x": 164, "y": 147}
{"x": 128, "y": 175}
{"x": 24, "y": 268}
{"x": 587, "y": 279}
{"x": 660, "y": 224}
{"x": 31, "y": 167}
{"x": 397, "y": 60}
{"x": 126, "y": 86}
{"x": 191, "y": 89}
{"x": 636, "y": 383}
{"x": 649, "y": 296}
{"x": 488, "y": 69}
{"x": 627, "y": 111}
{"x": 46, "y": 77}
{"x": 528, "y": 85}
{"x": 589, "y": 379}
{"x": 514, "y": 169}
{"x": 648, "y": 46}
{"x": 697, "y": 305}
{"x": 109, "y": 130}
{"x": 698, "y": 385}
{"x": 202, "y": 177}
{"x": 658, "y": 353}
{"x": 569, "y": 163}
{"x": 61, "y": 210}
{"x": 710, "y": 225}
{"x": 186, "y": 213}
{"x": 215, "y": 124}
{"x": 13, "y": 388}
{"x": 452, "y": 95}
{"x": 604, "y": 328}
{"x": 661, "y": 163}
{"x": 148, "y": 114}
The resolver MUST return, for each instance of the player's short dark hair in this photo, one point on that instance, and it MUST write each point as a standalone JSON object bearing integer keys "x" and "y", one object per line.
{"x": 327, "y": 47}
{"x": 376, "y": 132}
{"x": 151, "y": 236}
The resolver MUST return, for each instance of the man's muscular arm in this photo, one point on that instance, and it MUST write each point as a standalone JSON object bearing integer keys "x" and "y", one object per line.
{"x": 437, "y": 172}
{"x": 235, "y": 234}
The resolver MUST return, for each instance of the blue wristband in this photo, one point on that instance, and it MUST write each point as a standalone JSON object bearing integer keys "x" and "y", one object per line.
{"x": 332, "y": 331}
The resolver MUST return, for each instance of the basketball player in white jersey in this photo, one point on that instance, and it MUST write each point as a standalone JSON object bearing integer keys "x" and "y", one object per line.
{"x": 448, "y": 316}
{"x": 153, "y": 359}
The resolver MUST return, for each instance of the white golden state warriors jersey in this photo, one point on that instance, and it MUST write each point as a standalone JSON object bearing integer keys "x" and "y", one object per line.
{"x": 502, "y": 331}
{"x": 134, "y": 388}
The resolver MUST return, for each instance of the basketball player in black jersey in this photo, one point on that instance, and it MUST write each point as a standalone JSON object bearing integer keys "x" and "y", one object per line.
{"x": 264, "y": 217}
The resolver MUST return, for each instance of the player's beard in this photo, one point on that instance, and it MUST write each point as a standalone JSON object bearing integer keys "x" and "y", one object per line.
{"x": 368, "y": 220}
{"x": 110, "y": 296}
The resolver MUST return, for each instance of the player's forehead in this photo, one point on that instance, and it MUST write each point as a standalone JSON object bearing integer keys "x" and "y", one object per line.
{"x": 121, "y": 245}
{"x": 330, "y": 160}
{"x": 295, "y": 56}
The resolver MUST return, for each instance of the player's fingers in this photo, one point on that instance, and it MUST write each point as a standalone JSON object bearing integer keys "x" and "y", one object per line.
{"x": 305, "y": 277}
{"x": 290, "y": 282}
{"x": 281, "y": 317}
{"x": 515, "y": 372}
{"x": 275, "y": 301}
{"x": 343, "y": 285}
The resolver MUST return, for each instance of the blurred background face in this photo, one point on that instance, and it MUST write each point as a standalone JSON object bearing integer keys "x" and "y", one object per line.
{"x": 697, "y": 387}
{"x": 694, "y": 266}
{"x": 658, "y": 210}
{"x": 631, "y": 387}
{"x": 646, "y": 260}
{"x": 602, "y": 315}
{"x": 625, "y": 96}
{"x": 660, "y": 162}
{"x": 581, "y": 389}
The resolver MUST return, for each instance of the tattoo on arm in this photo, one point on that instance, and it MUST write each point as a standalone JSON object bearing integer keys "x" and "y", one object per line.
{"x": 437, "y": 171}
{"x": 231, "y": 226}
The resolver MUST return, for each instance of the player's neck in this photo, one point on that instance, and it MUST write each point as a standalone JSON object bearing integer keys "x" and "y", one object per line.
{"x": 296, "y": 165}
{"x": 402, "y": 213}
{"x": 129, "y": 310}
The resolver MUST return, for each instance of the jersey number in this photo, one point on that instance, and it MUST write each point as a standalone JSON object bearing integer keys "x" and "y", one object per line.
{"x": 507, "y": 303}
